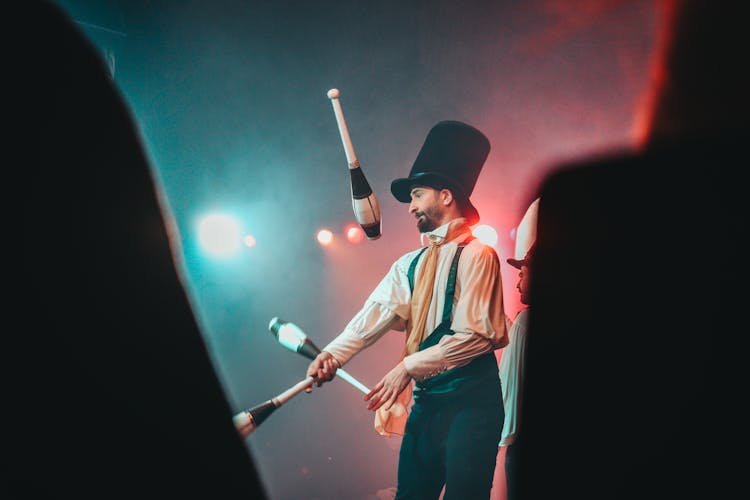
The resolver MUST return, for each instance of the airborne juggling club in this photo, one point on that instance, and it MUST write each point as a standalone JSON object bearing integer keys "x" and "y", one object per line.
{"x": 293, "y": 338}
{"x": 364, "y": 203}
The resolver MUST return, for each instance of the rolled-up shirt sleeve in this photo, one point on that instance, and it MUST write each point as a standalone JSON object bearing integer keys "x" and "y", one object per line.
{"x": 451, "y": 351}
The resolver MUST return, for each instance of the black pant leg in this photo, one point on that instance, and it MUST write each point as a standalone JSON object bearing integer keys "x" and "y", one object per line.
{"x": 421, "y": 470}
{"x": 471, "y": 447}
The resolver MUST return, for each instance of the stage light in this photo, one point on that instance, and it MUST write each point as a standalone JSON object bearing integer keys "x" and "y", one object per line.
{"x": 249, "y": 241}
{"x": 325, "y": 237}
{"x": 219, "y": 235}
{"x": 486, "y": 234}
{"x": 354, "y": 234}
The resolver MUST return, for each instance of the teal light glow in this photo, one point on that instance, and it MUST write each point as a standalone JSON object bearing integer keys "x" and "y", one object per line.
{"x": 219, "y": 235}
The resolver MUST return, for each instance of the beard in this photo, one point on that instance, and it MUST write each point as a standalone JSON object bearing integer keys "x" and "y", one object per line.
{"x": 426, "y": 220}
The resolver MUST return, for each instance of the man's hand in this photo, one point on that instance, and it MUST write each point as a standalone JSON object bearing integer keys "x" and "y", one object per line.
{"x": 322, "y": 369}
{"x": 388, "y": 389}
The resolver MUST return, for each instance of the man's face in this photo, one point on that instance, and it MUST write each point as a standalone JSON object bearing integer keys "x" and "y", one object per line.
{"x": 425, "y": 206}
{"x": 523, "y": 284}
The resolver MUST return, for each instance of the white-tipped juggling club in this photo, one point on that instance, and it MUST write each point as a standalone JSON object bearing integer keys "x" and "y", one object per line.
{"x": 248, "y": 420}
{"x": 293, "y": 338}
{"x": 364, "y": 203}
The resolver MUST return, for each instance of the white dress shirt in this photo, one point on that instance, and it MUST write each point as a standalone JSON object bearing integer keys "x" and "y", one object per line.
{"x": 478, "y": 318}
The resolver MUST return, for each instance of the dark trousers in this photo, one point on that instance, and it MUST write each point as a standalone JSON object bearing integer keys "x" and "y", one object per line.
{"x": 451, "y": 440}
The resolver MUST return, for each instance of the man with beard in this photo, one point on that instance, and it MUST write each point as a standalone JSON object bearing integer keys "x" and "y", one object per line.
{"x": 447, "y": 297}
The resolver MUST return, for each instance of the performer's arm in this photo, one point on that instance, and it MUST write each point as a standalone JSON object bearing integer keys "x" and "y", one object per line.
{"x": 367, "y": 326}
{"x": 451, "y": 351}
{"x": 386, "y": 309}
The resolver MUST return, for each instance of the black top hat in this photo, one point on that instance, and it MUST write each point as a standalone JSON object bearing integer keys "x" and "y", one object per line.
{"x": 526, "y": 261}
{"x": 452, "y": 157}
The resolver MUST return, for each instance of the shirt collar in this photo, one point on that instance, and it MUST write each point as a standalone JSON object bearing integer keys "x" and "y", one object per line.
{"x": 451, "y": 230}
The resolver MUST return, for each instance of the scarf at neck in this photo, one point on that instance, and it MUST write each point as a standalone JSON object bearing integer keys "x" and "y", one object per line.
{"x": 424, "y": 286}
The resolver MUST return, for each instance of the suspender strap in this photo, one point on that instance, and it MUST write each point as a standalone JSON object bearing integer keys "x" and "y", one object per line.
{"x": 444, "y": 328}
{"x": 412, "y": 268}
{"x": 450, "y": 287}
{"x": 450, "y": 291}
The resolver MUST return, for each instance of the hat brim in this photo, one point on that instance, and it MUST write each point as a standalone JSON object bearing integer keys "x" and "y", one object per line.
{"x": 517, "y": 263}
{"x": 401, "y": 190}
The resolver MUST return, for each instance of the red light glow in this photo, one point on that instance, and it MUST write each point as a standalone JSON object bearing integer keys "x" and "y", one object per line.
{"x": 354, "y": 234}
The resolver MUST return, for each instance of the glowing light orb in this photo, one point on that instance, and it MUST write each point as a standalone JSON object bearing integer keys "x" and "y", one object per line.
{"x": 486, "y": 234}
{"x": 219, "y": 235}
{"x": 325, "y": 237}
{"x": 249, "y": 241}
{"x": 354, "y": 234}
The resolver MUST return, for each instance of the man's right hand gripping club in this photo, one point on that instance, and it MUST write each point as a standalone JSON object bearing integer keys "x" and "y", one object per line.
{"x": 322, "y": 369}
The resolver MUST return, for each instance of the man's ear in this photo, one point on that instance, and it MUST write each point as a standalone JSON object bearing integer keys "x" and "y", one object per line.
{"x": 446, "y": 196}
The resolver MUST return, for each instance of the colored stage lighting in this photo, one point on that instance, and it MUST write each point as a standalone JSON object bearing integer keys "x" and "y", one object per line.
{"x": 354, "y": 234}
{"x": 325, "y": 237}
{"x": 219, "y": 235}
{"x": 249, "y": 241}
{"x": 486, "y": 234}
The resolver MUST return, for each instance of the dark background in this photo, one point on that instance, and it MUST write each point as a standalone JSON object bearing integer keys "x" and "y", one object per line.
{"x": 230, "y": 97}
